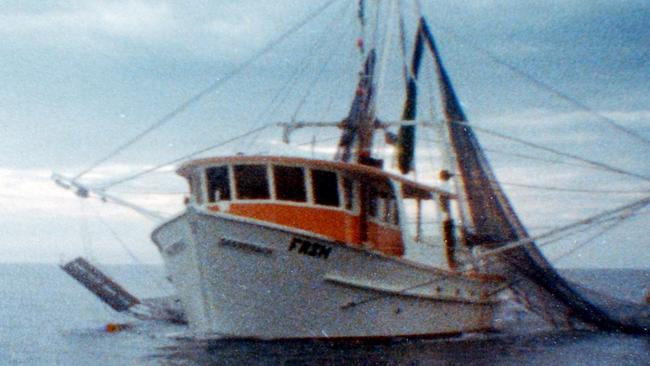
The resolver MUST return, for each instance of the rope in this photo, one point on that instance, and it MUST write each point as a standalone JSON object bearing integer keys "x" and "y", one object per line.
{"x": 575, "y": 190}
{"x": 182, "y": 158}
{"x": 133, "y": 257}
{"x": 84, "y": 232}
{"x": 285, "y": 90}
{"x": 558, "y": 152}
{"x": 536, "y": 158}
{"x": 317, "y": 76}
{"x": 589, "y": 240}
{"x": 208, "y": 90}
{"x": 530, "y": 157}
{"x": 575, "y": 231}
{"x": 383, "y": 59}
{"x": 544, "y": 86}
{"x": 599, "y": 218}
{"x": 379, "y": 297}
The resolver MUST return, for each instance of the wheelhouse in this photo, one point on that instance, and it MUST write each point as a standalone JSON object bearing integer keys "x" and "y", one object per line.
{"x": 354, "y": 204}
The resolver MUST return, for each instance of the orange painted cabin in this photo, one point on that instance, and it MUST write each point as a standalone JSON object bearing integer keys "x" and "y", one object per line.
{"x": 349, "y": 203}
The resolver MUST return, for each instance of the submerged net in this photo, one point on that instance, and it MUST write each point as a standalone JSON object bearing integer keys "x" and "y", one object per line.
{"x": 490, "y": 222}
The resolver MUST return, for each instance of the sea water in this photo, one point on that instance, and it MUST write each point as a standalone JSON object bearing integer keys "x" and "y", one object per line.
{"x": 46, "y": 318}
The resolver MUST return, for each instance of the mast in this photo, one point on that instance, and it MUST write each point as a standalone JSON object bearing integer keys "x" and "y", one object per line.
{"x": 358, "y": 127}
{"x": 406, "y": 134}
{"x": 355, "y": 143}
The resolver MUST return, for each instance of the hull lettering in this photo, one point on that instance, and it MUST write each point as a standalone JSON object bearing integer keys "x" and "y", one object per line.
{"x": 309, "y": 248}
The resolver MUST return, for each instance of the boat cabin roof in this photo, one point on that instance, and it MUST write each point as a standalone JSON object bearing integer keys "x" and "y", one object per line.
{"x": 362, "y": 172}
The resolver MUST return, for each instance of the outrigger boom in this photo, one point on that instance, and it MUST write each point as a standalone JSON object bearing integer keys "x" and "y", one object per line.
{"x": 84, "y": 191}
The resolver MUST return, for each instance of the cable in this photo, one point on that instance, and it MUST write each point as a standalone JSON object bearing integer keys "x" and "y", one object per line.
{"x": 208, "y": 90}
{"x": 326, "y": 139}
{"x": 576, "y": 190}
{"x": 587, "y": 163}
{"x": 623, "y": 211}
{"x": 535, "y": 158}
{"x": 319, "y": 73}
{"x": 554, "y": 151}
{"x": 290, "y": 83}
{"x": 530, "y": 157}
{"x": 544, "y": 86}
{"x": 185, "y": 157}
{"x": 133, "y": 257}
{"x": 589, "y": 240}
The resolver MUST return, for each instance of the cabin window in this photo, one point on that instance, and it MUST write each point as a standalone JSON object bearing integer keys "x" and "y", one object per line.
{"x": 251, "y": 182}
{"x": 391, "y": 214}
{"x": 289, "y": 183}
{"x": 218, "y": 184}
{"x": 422, "y": 214}
{"x": 373, "y": 202}
{"x": 382, "y": 205}
{"x": 348, "y": 193}
{"x": 325, "y": 187}
{"x": 195, "y": 188}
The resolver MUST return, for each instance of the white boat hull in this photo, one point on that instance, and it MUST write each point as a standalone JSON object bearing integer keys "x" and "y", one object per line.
{"x": 238, "y": 277}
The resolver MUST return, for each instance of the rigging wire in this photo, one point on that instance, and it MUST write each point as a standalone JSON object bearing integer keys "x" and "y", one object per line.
{"x": 557, "y": 162}
{"x": 286, "y": 89}
{"x": 530, "y": 157}
{"x": 549, "y": 88}
{"x": 555, "y": 188}
{"x": 575, "y": 231}
{"x": 588, "y": 240}
{"x": 575, "y": 190}
{"x": 388, "y": 34}
{"x": 184, "y": 157}
{"x": 130, "y": 253}
{"x": 537, "y": 158}
{"x": 555, "y": 151}
{"x": 325, "y": 139}
{"x": 208, "y": 90}
{"x": 622, "y": 211}
{"x": 84, "y": 232}
{"x": 317, "y": 76}
{"x": 290, "y": 83}
{"x": 150, "y": 193}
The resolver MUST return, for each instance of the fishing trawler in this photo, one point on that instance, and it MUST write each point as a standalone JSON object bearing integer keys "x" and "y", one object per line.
{"x": 279, "y": 247}
{"x": 274, "y": 247}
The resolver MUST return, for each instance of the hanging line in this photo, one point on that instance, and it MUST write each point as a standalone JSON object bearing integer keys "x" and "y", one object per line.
{"x": 317, "y": 77}
{"x": 549, "y": 88}
{"x": 141, "y": 266}
{"x": 573, "y": 190}
{"x": 208, "y": 90}
{"x": 624, "y": 211}
{"x": 590, "y": 239}
{"x": 558, "y": 152}
{"x": 183, "y": 158}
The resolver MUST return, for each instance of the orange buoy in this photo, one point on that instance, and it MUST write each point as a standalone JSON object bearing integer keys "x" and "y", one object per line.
{"x": 445, "y": 175}
{"x": 116, "y": 327}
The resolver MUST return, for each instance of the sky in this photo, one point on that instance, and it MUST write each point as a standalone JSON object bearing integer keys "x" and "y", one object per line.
{"x": 79, "y": 78}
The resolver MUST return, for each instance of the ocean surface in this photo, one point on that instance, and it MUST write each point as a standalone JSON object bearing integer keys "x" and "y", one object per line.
{"x": 48, "y": 319}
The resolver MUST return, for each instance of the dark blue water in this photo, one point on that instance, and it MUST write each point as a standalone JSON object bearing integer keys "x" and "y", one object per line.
{"x": 48, "y": 319}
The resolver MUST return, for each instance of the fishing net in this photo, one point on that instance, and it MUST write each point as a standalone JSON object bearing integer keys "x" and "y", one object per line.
{"x": 490, "y": 223}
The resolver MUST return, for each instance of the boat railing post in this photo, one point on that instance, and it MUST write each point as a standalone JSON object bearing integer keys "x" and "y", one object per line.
{"x": 397, "y": 188}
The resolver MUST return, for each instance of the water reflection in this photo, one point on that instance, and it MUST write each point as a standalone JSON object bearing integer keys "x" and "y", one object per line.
{"x": 552, "y": 348}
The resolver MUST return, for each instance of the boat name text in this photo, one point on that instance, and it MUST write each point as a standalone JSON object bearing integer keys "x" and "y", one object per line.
{"x": 309, "y": 248}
